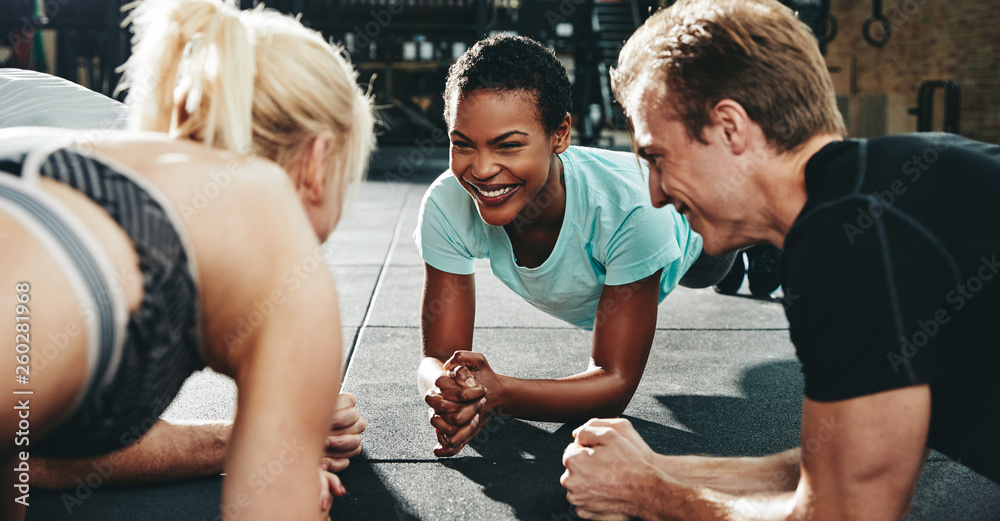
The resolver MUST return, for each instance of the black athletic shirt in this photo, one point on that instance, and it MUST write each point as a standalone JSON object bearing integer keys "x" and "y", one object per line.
{"x": 892, "y": 278}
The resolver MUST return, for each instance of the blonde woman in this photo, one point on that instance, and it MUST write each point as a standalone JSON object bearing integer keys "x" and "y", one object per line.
{"x": 100, "y": 252}
{"x": 169, "y": 450}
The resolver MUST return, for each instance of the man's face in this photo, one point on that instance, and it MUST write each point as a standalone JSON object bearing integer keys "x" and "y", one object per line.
{"x": 703, "y": 181}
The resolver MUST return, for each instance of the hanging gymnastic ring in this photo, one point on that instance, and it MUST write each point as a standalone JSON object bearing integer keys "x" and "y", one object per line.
{"x": 886, "y": 31}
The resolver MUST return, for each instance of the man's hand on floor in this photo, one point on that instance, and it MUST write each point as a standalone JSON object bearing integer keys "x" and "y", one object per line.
{"x": 606, "y": 467}
{"x": 174, "y": 450}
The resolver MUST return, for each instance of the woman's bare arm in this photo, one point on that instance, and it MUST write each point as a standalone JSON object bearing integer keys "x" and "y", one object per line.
{"x": 623, "y": 335}
{"x": 288, "y": 368}
{"x": 447, "y": 319}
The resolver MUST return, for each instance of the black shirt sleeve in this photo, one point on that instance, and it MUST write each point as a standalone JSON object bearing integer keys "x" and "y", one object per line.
{"x": 865, "y": 299}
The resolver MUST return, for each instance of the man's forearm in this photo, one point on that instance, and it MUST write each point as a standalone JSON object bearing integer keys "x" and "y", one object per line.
{"x": 662, "y": 498}
{"x": 739, "y": 476}
{"x": 610, "y": 470}
{"x": 168, "y": 451}
{"x": 709, "y": 505}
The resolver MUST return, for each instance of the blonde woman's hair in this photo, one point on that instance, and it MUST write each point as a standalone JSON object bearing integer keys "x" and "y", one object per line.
{"x": 254, "y": 81}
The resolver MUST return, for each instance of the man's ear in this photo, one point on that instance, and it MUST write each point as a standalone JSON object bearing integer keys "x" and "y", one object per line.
{"x": 732, "y": 124}
{"x": 313, "y": 177}
{"x": 561, "y": 136}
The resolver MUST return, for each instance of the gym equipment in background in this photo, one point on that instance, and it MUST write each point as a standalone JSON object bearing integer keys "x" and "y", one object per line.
{"x": 882, "y": 21}
{"x": 925, "y": 105}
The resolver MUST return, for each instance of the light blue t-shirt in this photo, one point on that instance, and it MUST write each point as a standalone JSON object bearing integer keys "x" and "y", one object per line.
{"x": 611, "y": 235}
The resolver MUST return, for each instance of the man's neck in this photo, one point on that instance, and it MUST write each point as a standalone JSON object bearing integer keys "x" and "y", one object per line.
{"x": 784, "y": 187}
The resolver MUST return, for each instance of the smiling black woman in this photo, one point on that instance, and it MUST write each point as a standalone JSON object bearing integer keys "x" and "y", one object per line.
{"x": 567, "y": 228}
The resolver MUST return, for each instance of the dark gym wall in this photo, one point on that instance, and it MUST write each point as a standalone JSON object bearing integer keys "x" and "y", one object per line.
{"x": 931, "y": 40}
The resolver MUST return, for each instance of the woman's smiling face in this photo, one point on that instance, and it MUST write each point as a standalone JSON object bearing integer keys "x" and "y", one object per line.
{"x": 501, "y": 153}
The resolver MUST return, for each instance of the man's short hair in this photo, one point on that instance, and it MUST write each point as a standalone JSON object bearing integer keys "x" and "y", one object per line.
{"x": 755, "y": 52}
{"x": 506, "y": 63}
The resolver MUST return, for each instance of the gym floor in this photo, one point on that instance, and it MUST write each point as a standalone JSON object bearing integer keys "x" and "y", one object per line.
{"x": 722, "y": 379}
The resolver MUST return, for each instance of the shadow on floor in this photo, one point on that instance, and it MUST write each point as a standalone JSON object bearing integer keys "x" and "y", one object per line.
{"x": 520, "y": 466}
{"x": 368, "y": 497}
{"x": 766, "y": 420}
{"x": 194, "y": 500}
{"x": 521, "y": 463}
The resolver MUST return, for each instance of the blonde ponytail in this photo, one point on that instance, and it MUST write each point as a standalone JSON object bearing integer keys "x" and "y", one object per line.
{"x": 253, "y": 81}
{"x": 191, "y": 73}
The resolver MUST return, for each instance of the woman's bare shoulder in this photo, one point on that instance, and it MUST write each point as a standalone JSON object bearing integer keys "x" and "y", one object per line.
{"x": 243, "y": 217}
{"x": 231, "y": 205}
{"x": 180, "y": 162}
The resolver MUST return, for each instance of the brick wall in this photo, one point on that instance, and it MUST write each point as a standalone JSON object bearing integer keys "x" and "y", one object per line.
{"x": 932, "y": 40}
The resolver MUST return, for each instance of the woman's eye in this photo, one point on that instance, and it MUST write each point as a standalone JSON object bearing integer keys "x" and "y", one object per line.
{"x": 459, "y": 144}
{"x": 509, "y": 145}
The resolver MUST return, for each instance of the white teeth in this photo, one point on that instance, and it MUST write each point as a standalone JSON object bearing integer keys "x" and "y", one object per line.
{"x": 495, "y": 193}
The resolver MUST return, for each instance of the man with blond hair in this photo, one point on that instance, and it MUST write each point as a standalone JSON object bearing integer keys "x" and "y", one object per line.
{"x": 890, "y": 248}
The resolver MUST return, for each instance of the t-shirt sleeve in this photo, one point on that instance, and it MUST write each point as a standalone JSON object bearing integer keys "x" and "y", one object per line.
{"x": 644, "y": 243}
{"x": 438, "y": 237}
{"x": 864, "y": 304}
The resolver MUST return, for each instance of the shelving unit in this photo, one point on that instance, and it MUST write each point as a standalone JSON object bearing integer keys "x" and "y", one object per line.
{"x": 384, "y": 39}
{"x": 89, "y": 40}
{"x": 408, "y": 85}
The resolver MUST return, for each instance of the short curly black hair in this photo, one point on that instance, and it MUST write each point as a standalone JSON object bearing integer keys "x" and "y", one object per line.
{"x": 508, "y": 63}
